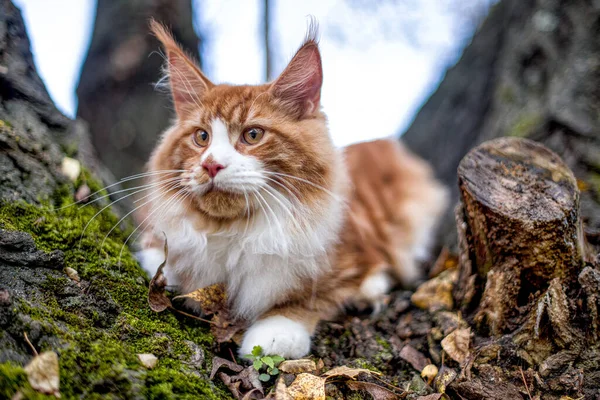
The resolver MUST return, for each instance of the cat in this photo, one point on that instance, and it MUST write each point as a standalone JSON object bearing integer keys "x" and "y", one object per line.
{"x": 253, "y": 194}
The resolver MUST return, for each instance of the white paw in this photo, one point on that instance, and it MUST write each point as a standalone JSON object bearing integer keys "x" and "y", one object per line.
{"x": 277, "y": 335}
{"x": 374, "y": 289}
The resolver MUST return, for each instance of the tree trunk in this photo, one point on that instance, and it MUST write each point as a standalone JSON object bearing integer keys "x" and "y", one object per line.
{"x": 116, "y": 88}
{"x": 526, "y": 279}
{"x": 63, "y": 281}
{"x": 531, "y": 70}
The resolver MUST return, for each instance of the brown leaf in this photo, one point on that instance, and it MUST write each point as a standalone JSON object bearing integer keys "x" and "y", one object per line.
{"x": 378, "y": 392}
{"x": 218, "y": 362}
{"x": 351, "y": 373}
{"x": 157, "y": 297}
{"x": 241, "y": 384}
{"x": 223, "y": 328}
{"x": 444, "y": 378}
{"x": 42, "y": 373}
{"x": 211, "y": 298}
{"x": 436, "y": 293}
{"x": 281, "y": 390}
{"x": 413, "y": 357}
{"x": 434, "y": 396}
{"x": 297, "y": 366}
{"x": 234, "y": 387}
{"x": 456, "y": 344}
{"x": 307, "y": 386}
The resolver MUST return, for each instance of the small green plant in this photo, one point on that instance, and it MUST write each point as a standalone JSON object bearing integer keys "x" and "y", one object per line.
{"x": 264, "y": 362}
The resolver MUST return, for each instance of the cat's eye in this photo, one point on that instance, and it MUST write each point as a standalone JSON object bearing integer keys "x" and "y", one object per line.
{"x": 201, "y": 138}
{"x": 253, "y": 135}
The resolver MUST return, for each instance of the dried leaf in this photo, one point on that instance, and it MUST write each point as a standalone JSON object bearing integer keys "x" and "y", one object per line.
{"x": 413, "y": 357}
{"x": 378, "y": 392}
{"x": 234, "y": 387}
{"x": 444, "y": 378}
{"x": 148, "y": 360}
{"x": 71, "y": 273}
{"x": 211, "y": 298}
{"x": 157, "y": 297}
{"x": 434, "y": 396}
{"x": 429, "y": 373}
{"x": 281, "y": 390}
{"x": 218, "y": 362}
{"x": 242, "y": 383}
{"x": 223, "y": 328}
{"x": 456, "y": 344}
{"x": 351, "y": 373}
{"x": 307, "y": 386}
{"x": 436, "y": 293}
{"x": 42, "y": 373}
{"x": 297, "y": 366}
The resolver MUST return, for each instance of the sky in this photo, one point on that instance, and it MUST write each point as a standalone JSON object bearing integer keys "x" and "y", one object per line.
{"x": 380, "y": 63}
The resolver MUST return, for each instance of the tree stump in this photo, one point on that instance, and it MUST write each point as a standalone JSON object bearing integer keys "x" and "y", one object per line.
{"x": 519, "y": 230}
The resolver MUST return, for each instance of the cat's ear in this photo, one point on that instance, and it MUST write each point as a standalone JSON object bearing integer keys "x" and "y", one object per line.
{"x": 298, "y": 88}
{"x": 188, "y": 84}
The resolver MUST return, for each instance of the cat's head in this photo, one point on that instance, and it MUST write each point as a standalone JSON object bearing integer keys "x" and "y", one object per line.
{"x": 233, "y": 150}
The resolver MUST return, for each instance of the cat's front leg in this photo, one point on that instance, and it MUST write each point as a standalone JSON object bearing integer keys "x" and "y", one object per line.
{"x": 285, "y": 333}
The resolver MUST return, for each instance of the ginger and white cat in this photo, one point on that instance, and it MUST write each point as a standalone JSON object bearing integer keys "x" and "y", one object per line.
{"x": 253, "y": 194}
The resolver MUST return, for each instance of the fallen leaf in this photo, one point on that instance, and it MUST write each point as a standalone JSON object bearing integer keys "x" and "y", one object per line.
{"x": 71, "y": 168}
{"x": 456, "y": 344}
{"x": 378, "y": 392}
{"x": 211, "y": 298}
{"x": 297, "y": 366}
{"x": 445, "y": 261}
{"x": 281, "y": 390}
{"x": 307, "y": 387}
{"x": 148, "y": 360}
{"x": 351, "y": 373}
{"x": 234, "y": 387}
{"x": 42, "y": 373}
{"x": 157, "y": 297}
{"x": 413, "y": 357}
{"x": 444, "y": 378}
{"x": 429, "y": 373}
{"x": 71, "y": 273}
{"x": 218, "y": 362}
{"x": 436, "y": 293}
{"x": 434, "y": 396}
{"x": 320, "y": 365}
{"x": 224, "y": 329}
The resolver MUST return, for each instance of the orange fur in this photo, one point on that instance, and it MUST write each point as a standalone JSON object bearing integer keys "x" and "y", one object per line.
{"x": 385, "y": 196}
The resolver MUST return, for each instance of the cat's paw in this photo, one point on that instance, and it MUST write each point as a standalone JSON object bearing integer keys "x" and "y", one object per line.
{"x": 374, "y": 290}
{"x": 277, "y": 335}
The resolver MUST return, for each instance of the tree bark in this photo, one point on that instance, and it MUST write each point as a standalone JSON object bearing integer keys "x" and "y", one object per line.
{"x": 531, "y": 70}
{"x": 116, "y": 87}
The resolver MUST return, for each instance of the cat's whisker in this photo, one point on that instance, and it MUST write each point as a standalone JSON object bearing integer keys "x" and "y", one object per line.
{"x": 132, "y": 211}
{"x": 107, "y": 206}
{"x": 164, "y": 207}
{"x": 262, "y": 208}
{"x": 247, "y": 210}
{"x": 125, "y": 179}
{"x": 284, "y": 207}
{"x": 146, "y": 186}
{"x": 325, "y": 190}
{"x": 281, "y": 230}
{"x": 294, "y": 195}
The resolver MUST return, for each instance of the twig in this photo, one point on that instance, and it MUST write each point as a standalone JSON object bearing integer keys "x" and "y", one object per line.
{"x": 525, "y": 382}
{"x": 232, "y": 356}
{"x": 30, "y": 345}
{"x": 191, "y": 316}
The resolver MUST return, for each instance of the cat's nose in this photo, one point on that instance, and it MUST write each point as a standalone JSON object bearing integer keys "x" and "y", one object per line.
{"x": 212, "y": 168}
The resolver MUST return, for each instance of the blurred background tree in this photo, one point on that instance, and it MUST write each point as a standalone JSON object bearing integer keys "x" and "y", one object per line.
{"x": 116, "y": 87}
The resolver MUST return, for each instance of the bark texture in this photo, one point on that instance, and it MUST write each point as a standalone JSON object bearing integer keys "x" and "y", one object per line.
{"x": 116, "y": 87}
{"x": 531, "y": 70}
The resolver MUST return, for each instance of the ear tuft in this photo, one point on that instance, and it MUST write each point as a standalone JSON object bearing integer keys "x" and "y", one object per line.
{"x": 188, "y": 83}
{"x": 298, "y": 88}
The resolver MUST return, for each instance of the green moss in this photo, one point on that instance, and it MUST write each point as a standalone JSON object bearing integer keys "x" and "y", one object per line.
{"x": 364, "y": 364}
{"x": 103, "y": 322}
{"x": 525, "y": 125}
{"x": 594, "y": 179}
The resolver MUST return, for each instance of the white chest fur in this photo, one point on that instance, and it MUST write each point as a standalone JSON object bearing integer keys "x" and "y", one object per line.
{"x": 259, "y": 263}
